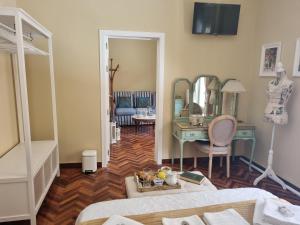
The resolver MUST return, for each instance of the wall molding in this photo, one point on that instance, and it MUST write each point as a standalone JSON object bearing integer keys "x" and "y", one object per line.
{"x": 291, "y": 187}
{"x": 77, "y": 165}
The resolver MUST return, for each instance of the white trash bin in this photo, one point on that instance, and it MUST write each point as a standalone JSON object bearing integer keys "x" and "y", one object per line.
{"x": 118, "y": 133}
{"x": 89, "y": 161}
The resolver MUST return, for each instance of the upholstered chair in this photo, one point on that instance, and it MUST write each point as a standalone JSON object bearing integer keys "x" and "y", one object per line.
{"x": 221, "y": 131}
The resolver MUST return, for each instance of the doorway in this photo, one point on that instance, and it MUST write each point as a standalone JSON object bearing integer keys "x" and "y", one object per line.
{"x": 105, "y": 35}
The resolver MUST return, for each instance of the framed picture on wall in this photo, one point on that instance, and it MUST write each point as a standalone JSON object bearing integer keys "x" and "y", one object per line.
{"x": 270, "y": 56}
{"x": 296, "y": 69}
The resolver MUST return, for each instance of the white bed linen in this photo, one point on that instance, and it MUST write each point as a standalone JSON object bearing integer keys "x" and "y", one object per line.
{"x": 136, "y": 206}
{"x": 261, "y": 219}
{"x": 116, "y": 219}
{"x": 191, "y": 220}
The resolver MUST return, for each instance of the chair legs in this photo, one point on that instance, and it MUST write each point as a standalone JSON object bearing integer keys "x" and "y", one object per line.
{"x": 228, "y": 165}
{"x": 221, "y": 161}
{"x": 210, "y": 165}
{"x": 221, "y": 164}
{"x": 195, "y": 161}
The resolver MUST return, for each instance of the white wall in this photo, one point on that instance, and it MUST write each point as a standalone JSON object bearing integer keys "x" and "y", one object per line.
{"x": 137, "y": 60}
{"x": 9, "y": 136}
{"x": 277, "y": 20}
{"x": 76, "y": 58}
{"x": 10, "y": 3}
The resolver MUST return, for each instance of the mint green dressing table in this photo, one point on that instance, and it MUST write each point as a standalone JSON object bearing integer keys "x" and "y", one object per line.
{"x": 207, "y": 102}
{"x": 184, "y": 132}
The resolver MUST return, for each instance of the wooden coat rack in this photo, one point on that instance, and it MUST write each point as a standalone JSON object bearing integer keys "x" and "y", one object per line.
{"x": 112, "y": 105}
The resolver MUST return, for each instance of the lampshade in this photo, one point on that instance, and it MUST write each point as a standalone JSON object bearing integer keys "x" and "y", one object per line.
{"x": 233, "y": 86}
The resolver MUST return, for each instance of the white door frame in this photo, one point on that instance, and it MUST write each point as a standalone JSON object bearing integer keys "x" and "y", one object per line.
{"x": 160, "y": 62}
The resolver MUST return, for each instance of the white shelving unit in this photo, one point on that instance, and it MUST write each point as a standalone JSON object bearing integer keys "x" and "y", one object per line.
{"x": 28, "y": 170}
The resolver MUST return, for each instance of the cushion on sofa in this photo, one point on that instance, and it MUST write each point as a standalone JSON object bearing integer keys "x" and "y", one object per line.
{"x": 145, "y": 110}
{"x": 124, "y": 102}
{"x": 143, "y": 102}
{"x": 125, "y": 111}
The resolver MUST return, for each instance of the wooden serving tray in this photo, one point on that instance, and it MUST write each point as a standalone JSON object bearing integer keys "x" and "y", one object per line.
{"x": 141, "y": 188}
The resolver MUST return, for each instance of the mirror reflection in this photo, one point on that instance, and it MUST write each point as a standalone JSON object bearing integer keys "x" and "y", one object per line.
{"x": 228, "y": 103}
{"x": 181, "y": 98}
{"x": 206, "y": 95}
{"x": 230, "y": 91}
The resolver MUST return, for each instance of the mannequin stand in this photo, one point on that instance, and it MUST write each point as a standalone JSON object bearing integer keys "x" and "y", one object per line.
{"x": 269, "y": 172}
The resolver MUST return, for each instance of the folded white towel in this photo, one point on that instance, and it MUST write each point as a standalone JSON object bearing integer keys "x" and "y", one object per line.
{"x": 226, "y": 217}
{"x": 258, "y": 217}
{"x": 190, "y": 220}
{"x": 288, "y": 215}
{"x": 120, "y": 220}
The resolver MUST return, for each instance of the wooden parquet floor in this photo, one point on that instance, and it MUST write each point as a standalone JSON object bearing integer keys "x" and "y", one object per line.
{"x": 73, "y": 191}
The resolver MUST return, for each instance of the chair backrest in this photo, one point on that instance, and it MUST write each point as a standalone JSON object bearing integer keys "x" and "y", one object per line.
{"x": 221, "y": 130}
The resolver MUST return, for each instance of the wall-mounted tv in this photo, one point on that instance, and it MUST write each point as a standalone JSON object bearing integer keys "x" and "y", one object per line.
{"x": 217, "y": 19}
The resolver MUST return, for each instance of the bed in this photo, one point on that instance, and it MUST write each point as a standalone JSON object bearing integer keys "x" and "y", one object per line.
{"x": 155, "y": 204}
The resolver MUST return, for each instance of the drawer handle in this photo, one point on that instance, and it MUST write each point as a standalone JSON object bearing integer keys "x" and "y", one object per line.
{"x": 192, "y": 134}
{"x": 245, "y": 133}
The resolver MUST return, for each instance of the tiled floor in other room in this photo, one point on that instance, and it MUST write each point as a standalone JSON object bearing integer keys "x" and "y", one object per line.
{"x": 73, "y": 191}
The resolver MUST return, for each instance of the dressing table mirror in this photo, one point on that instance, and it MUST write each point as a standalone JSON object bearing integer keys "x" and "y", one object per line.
{"x": 208, "y": 97}
{"x": 181, "y": 95}
{"x": 205, "y": 95}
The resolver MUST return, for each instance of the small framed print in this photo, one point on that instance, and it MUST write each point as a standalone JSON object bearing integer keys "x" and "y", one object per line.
{"x": 270, "y": 56}
{"x": 296, "y": 69}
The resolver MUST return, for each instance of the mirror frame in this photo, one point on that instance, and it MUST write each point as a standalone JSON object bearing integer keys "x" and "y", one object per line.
{"x": 174, "y": 97}
{"x": 191, "y": 92}
{"x": 217, "y": 111}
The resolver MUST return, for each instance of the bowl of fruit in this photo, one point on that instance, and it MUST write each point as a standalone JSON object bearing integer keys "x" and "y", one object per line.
{"x": 166, "y": 169}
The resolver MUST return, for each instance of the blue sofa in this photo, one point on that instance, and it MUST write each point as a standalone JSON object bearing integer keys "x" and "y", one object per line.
{"x": 129, "y": 103}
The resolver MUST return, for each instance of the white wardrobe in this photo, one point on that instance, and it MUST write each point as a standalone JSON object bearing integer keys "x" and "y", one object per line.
{"x": 28, "y": 170}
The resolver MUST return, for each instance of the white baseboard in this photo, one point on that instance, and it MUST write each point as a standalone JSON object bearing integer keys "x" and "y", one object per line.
{"x": 261, "y": 171}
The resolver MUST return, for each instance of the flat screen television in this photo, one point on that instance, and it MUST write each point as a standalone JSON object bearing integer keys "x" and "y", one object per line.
{"x": 217, "y": 19}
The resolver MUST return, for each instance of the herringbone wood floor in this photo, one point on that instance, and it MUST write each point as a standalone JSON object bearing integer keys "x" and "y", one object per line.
{"x": 73, "y": 191}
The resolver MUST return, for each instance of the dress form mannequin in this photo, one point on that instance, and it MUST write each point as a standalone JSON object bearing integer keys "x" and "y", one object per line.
{"x": 279, "y": 91}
